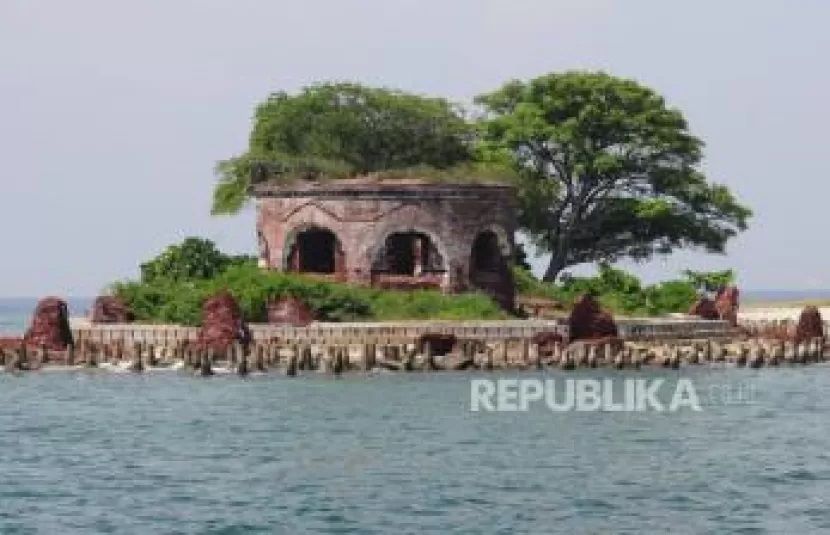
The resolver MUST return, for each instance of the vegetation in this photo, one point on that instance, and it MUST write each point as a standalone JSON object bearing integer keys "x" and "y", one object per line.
{"x": 194, "y": 258}
{"x": 608, "y": 170}
{"x": 181, "y": 278}
{"x": 604, "y": 168}
{"x": 623, "y": 293}
{"x": 175, "y": 283}
{"x": 342, "y": 129}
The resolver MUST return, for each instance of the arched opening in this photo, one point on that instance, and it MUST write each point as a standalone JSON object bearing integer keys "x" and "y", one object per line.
{"x": 486, "y": 254}
{"x": 408, "y": 260}
{"x": 408, "y": 253}
{"x": 490, "y": 269}
{"x": 315, "y": 250}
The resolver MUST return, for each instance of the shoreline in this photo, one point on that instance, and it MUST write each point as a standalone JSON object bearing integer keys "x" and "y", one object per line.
{"x": 775, "y": 312}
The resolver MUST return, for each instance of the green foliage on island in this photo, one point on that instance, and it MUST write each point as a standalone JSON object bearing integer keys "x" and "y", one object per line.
{"x": 177, "y": 282}
{"x": 335, "y": 130}
{"x": 623, "y": 293}
{"x": 194, "y": 258}
{"x": 608, "y": 169}
{"x": 604, "y": 167}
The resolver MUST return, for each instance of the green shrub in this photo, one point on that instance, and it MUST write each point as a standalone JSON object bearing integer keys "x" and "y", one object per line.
{"x": 670, "y": 296}
{"x": 180, "y": 301}
{"x": 174, "y": 285}
{"x": 623, "y": 293}
{"x": 193, "y": 259}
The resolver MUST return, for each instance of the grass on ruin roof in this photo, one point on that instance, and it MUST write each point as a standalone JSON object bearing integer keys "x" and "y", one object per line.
{"x": 467, "y": 173}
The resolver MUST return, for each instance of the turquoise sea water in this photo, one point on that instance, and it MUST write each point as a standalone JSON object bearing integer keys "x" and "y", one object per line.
{"x": 164, "y": 452}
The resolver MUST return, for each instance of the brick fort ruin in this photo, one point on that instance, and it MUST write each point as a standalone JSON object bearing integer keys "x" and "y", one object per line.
{"x": 402, "y": 234}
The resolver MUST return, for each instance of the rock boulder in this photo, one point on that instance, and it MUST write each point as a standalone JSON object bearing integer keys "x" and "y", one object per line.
{"x": 50, "y": 325}
{"x": 727, "y": 302}
{"x": 222, "y": 324}
{"x": 110, "y": 309}
{"x": 588, "y": 321}
{"x": 810, "y": 325}
{"x": 705, "y": 308}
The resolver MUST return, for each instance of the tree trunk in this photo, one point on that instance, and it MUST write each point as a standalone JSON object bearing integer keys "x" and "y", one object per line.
{"x": 555, "y": 267}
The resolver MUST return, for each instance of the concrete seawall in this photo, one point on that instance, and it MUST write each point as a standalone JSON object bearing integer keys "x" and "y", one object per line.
{"x": 376, "y": 332}
{"x": 418, "y": 346}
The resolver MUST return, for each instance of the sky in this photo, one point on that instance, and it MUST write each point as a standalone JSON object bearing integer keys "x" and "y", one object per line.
{"x": 113, "y": 114}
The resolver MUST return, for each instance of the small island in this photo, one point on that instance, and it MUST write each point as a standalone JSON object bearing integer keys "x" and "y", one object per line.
{"x": 386, "y": 225}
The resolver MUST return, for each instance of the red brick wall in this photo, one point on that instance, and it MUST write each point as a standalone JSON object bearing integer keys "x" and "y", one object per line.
{"x": 363, "y": 216}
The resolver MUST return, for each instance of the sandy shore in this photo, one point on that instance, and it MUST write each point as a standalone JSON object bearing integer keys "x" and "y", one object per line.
{"x": 776, "y": 313}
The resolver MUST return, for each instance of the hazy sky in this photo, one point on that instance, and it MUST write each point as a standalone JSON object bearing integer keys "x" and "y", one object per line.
{"x": 112, "y": 114}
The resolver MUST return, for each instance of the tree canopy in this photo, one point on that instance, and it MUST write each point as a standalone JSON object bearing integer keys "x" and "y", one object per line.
{"x": 605, "y": 168}
{"x": 608, "y": 170}
{"x": 343, "y": 129}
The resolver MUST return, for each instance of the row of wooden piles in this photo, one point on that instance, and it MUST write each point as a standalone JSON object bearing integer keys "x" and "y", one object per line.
{"x": 419, "y": 355}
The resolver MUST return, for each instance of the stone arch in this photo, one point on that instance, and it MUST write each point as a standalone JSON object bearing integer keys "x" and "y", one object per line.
{"x": 490, "y": 266}
{"x": 380, "y": 240}
{"x": 312, "y": 207}
{"x": 408, "y": 257}
{"x": 486, "y": 254}
{"x": 408, "y": 253}
{"x": 313, "y": 248}
{"x": 504, "y": 241}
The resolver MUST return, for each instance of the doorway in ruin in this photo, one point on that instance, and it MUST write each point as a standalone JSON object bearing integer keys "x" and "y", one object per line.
{"x": 316, "y": 250}
{"x": 408, "y": 260}
{"x": 408, "y": 253}
{"x": 490, "y": 269}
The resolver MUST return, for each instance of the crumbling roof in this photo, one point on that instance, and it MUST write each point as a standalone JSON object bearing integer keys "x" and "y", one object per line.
{"x": 367, "y": 185}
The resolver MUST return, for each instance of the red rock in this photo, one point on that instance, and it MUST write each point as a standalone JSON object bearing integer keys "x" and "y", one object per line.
{"x": 289, "y": 311}
{"x": 588, "y": 321}
{"x": 727, "y": 302}
{"x": 705, "y": 308}
{"x": 810, "y": 325}
{"x": 222, "y": 324}
{"x": 50, "y": 325}
{"x": 110, "y": 309}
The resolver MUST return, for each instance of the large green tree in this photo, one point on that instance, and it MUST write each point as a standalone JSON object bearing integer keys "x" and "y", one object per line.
{"x": 608, "y": 170}
{"x": 343, "y": 129}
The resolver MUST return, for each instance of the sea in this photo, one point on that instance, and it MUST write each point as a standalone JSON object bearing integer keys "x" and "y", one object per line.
{"x": 95, "y": 451}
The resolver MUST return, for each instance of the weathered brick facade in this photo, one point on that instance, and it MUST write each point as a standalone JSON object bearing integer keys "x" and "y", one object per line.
{"x": 391, "y": 233}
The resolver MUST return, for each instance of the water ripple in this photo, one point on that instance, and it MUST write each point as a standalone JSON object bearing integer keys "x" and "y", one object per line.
{"x": 85, "y": 452}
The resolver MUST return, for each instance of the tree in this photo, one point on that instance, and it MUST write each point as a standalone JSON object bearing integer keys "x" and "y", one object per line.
{"x": 343, "y": 129}
{"x": 608, "y": 170}
{"x": 194, "y": 258}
